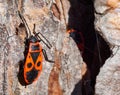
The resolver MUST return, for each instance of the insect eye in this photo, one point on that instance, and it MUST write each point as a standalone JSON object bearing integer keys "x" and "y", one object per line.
{"x": 29, "y": 65}
{"x": 38, "y": 64}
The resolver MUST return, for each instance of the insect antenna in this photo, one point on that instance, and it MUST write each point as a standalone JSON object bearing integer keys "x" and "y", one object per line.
{"x": 40, "y": 36}
{"x": 28, "y": 32}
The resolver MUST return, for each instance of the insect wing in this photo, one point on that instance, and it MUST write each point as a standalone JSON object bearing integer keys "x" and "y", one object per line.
{"x": 33, "y": 64}
{"x": 38, "y": 64}
{"x": 29, "y": 65}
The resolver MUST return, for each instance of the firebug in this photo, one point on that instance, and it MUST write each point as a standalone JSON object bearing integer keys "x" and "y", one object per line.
{"x": 31, "y": 66}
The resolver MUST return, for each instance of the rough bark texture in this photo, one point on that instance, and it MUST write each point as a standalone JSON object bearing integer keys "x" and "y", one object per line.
{"x": 108, "y": 24}
{"x": 66, "y": 75}
{"x": 57, "y": 78}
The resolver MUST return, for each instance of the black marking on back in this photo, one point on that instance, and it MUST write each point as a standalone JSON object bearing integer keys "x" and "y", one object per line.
{"x": 35, "y": 56}
{"x": 32, "y": 75}
{"x": 35, "y": 47}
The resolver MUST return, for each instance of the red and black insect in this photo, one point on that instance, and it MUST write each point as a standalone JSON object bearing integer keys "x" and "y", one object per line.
{"x": 31, "y": 66}
{"x": 78, "y": 38}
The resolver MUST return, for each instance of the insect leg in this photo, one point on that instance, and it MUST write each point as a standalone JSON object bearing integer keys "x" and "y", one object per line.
{"x": 45, "y": 56}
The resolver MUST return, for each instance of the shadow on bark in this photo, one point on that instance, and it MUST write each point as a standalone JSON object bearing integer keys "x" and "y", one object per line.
{"x": 96, "y": 50}
{"x": 77, "y": 89}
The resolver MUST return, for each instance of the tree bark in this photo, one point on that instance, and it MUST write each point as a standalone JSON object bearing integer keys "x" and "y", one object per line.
{"x": 59, "y": 77}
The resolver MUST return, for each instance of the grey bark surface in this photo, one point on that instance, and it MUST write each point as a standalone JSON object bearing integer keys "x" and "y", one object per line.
{"x": 108, "y": 24}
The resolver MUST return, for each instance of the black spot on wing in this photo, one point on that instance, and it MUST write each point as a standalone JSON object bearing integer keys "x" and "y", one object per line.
{"x": 39, "y": 63}
{"x": 29, "y": 65}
